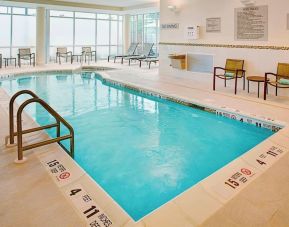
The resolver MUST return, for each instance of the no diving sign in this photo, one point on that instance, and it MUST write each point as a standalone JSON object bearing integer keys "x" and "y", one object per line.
{"x": 62, "y": 170}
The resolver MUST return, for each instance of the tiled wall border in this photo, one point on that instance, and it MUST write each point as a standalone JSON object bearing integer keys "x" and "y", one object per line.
{"x": 227, "y": 46}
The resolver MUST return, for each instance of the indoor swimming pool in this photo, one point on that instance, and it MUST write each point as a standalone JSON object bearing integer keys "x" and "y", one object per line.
{"x": 142, "y": 150}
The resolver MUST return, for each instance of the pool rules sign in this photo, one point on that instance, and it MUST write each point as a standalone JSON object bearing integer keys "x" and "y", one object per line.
{"x": 251, "y": 23}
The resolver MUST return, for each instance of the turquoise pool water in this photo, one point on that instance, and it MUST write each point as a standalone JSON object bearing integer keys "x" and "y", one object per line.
{"x": 142, "y": 150}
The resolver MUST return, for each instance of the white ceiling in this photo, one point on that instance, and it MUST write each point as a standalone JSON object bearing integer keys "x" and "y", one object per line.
{"x": 116, "y": 3}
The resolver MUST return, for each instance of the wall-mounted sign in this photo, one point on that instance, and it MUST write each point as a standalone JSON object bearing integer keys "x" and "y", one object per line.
{"x": 213, "y": 24}
{"x": 170, "y": 26}
{"x": 251, "y": 23}
{"x": 193, "y": 32}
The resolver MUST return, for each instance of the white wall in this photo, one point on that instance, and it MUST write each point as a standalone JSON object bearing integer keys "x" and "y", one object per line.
{"x": 195, "y": 12}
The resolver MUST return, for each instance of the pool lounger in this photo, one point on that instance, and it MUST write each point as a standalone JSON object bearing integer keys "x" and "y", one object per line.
{"x": 130, "y": 53}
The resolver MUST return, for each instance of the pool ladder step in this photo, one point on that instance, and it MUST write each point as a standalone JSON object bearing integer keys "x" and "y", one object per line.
{"x": 20, "y": 132}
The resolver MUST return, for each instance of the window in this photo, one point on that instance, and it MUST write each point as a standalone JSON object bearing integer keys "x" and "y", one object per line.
{"x": 85, "y": 15}
{"x": 19, "y": 11}
{"x": 84, "y": 32}
{"x": 102, "y": 32}
{"x": 18, "y": 29}
{"x": 145, "y": 29}
{"x": 61, "y": 31}
{"x": 5, "y": 24}
{"x": 24, "y": 31}
{"x": 113, "y": 33}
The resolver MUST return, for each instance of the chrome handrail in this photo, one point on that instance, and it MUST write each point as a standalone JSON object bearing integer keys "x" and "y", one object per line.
{"x": 21, "y": 132}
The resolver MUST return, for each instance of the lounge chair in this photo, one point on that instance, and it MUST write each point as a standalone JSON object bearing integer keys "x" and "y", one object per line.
{"x": 281, "y": 79}
{"x": 149, "y": 60}
{"x": 25, "y": 54}
{"x": 232, "y": 71}
{"x": 61, "y": 52}
{"x": 144, "y": 54}
{"x": 130, "y": 52}
{"x": 87, "y": 52}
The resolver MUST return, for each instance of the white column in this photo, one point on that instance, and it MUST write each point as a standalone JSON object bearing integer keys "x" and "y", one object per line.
{"x": 41, "y": 36}
{"x": 126, "y": 32}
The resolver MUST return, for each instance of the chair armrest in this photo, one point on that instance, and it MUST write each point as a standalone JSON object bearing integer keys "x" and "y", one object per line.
{"x": 216, "y": 68}
{"x": 69, "y": 52}
{"x": 273, "y": 74}
{"x": 219, "y": 68}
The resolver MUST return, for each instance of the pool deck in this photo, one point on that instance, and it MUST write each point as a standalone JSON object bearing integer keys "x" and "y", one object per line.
{"x": 33, "y": 196}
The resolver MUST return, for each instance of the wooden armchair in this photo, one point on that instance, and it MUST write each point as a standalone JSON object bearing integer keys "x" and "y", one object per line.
{"x": 25, "y": 54}
{"x": 87, "y": 52}
{"x": 62, "y": 52}
{"x": 233, "y": 71}
{"x": 279, "y": 80}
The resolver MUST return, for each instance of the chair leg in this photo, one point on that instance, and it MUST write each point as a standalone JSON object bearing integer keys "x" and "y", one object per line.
{"x": 140, "y": 63}
{"x": 265, "y": 89}
{"x": 276, "y": 90}
{"x": 214, "y": 82}
{"x": 225, "y": 82}
{"x": 244, "y": 83}
{"x": 236, "y": 84}
{"x": 114, "y": 60}
{"x": 248, "y": 86}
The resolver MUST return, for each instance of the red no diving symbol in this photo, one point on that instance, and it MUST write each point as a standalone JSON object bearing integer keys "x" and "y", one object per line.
{"x": 246, "y": 171}
{"x": 64, "y": 175}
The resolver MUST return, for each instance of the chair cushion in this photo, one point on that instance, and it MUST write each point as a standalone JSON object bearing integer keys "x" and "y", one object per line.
{"x": 284, "y": 81}
{"x": 229, "y": 74}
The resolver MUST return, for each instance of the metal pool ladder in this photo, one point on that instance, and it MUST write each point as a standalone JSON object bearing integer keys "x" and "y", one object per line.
{"x": 20, "y": 132}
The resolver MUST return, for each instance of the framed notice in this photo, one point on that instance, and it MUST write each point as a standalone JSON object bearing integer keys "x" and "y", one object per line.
{"x": 251, "y": 23}
{"x": 213, "y": 24}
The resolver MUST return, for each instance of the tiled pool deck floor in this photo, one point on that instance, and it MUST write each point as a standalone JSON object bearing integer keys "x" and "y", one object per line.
{"x": 30, "y": 196}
